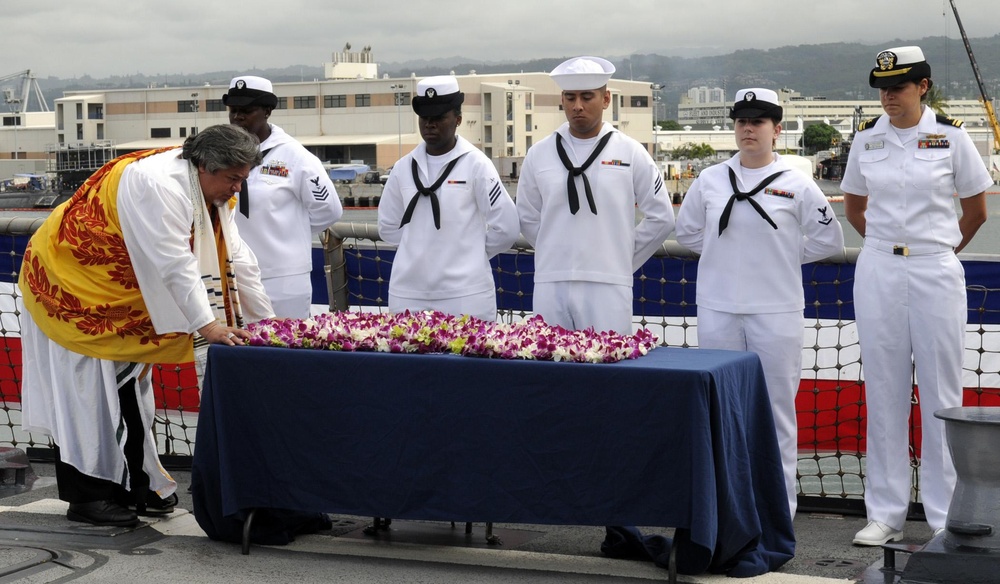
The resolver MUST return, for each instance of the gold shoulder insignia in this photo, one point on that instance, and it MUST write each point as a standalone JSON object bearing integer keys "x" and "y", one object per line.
{"x": 948, "y": 121}
{"x": 867, "y": 124}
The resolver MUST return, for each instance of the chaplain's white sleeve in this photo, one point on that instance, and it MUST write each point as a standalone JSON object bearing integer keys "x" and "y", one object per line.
{"x": 156, "y": 219}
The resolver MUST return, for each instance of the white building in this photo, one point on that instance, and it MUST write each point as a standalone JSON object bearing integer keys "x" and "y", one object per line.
{"x": 356, "y": 116}
{"x": 360, "y": 118}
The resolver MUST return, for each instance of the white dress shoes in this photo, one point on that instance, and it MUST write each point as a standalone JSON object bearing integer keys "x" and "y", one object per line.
{"x": 876, "y": 533}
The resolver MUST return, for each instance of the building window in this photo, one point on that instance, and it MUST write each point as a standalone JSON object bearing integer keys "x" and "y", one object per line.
{"x": 362, "y": 100}
{"x": 402, "y": 98}
{"x": 185, "y": 106}
{"x": 182, "y": 132}
{"x": 12, "y": 120}
{"x": 214, "y": 105}
{"x": 332, "y": 101}
{"x": 527, "y": 101}
{"x": 282, "y": 103}
{"x": 639, "y": 100}
{"x": 304, "y": 101}
{"x": 159, "y": 132}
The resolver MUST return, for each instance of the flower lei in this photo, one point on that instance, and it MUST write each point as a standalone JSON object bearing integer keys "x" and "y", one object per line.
{"x": 436, "y": 332}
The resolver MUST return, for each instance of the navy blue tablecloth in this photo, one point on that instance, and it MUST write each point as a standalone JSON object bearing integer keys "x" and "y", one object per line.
{"x": 678, "y": 438}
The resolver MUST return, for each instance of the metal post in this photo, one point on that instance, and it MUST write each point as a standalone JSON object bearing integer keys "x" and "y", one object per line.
{"x": 656, "y": 148}
{"x": 336, "y": 270}
{"x": 399, "y": 117}
{"x": 195, "y": 106}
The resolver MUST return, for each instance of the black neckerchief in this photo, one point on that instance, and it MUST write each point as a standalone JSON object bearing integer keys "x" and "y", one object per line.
{"x": 427, "y": 192}
{"x": 574, "y": 197}
{"x": 741, "y": 196}
{"x": 244, "y": 194}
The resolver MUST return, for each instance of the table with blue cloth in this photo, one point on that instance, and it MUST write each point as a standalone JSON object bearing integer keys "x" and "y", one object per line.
{"x": 679, "y": 438}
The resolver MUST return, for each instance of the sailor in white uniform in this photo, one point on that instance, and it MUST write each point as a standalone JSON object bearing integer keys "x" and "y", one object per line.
{"x": 286, "y": 201}
{"x": 447, "y": 211}
{"x": 576, "y": 199}
{"x": 755, "y": 220}
{"x": 902, "y": 174}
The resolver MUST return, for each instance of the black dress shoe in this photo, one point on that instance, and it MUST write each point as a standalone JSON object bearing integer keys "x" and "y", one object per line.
{"x": 155, "y": 506}
{"x": 105, "y": 513}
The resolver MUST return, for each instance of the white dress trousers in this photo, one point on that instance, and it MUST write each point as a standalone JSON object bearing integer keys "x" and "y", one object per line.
{"x": 909, "y": 309}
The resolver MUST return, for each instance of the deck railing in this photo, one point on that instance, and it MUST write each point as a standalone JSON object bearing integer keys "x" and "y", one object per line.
{"x": 830, "y": 404}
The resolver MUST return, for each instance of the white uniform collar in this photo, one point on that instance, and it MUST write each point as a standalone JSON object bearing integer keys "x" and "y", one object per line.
{"x": 462, "y": 146}
{"x": 926, "y": 125}
{"x": 563, "y": 130}
{"x": 277, "y": 137}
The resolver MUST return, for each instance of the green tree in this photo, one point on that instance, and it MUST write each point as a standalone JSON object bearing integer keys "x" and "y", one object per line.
{"x": 692, "y": 152}
{"x": 666, "y": 125}
{"x": 819, "y": 137}
{"x": 935, "y": 100}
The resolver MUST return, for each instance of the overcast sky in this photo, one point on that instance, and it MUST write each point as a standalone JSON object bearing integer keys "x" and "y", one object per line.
{"x": 71, "y": 38}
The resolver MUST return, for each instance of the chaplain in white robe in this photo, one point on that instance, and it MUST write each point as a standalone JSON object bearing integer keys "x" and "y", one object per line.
{"x": 143, "y": 265}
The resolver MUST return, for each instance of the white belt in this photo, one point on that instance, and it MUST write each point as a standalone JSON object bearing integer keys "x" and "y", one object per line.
{"x": 902, "y": 249}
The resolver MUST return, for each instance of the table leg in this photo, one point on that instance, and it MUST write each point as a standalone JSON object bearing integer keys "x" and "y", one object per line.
{"x": 378, "y": 524}
{"x": 672, "y": 565}
{"x": 246, "y": 531}
{"x": 490, "y": 538}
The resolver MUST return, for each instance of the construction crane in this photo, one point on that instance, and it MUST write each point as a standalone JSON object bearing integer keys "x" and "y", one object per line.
{"x": 991, "y": 115}
{"x": 18, "y": 102}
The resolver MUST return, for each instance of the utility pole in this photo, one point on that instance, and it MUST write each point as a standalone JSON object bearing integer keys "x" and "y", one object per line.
{"x": 397, "y": 89}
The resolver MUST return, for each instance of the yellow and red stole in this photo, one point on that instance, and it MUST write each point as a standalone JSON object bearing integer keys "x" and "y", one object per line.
{"x": 78, "y": 283}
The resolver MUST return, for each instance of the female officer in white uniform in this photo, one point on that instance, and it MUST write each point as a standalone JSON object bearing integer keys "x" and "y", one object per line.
{"x": 909, "y": 289}
{"x": 754, "y": 219}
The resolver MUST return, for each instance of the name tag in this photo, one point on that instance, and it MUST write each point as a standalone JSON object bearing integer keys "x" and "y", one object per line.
{"x": 874, "y": 145}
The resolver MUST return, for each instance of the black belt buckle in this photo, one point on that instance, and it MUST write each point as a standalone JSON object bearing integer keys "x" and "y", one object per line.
{"x": 900, "y": 250}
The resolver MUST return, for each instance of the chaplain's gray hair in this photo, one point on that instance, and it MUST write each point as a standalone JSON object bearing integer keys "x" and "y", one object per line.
{"x": 222, "y": 146}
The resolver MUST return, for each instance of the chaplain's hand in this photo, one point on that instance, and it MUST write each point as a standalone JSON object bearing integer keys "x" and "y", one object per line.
{"x": 214, "y": 332}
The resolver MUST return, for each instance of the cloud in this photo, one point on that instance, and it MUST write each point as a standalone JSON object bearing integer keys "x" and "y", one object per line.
{"x": 110, "y": 37}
